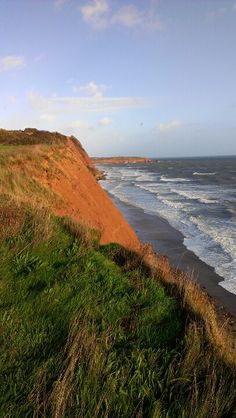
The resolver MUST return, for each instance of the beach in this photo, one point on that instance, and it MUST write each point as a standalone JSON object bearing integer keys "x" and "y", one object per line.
{"x": 186, "y": 208}
{"x": 169, "y": 242}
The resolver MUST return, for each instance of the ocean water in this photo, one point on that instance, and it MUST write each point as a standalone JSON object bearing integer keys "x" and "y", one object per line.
{"x": 196, "y": 196}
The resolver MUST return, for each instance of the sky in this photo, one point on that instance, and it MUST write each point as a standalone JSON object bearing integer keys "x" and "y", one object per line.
{"x": 140, "y": 77}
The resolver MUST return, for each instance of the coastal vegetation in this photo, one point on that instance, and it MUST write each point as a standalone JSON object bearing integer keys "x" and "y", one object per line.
{"x": 97, "y": 330}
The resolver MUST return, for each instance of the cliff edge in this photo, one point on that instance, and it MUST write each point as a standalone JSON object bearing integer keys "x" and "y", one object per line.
{"x": 58, "y": 173}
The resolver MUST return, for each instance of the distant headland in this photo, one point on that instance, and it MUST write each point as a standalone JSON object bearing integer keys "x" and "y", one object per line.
{"x": 122, "y": 160}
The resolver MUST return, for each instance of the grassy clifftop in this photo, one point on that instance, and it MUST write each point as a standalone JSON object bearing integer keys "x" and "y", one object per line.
{"x": 91, "y": 330}
{"x": 31, "y": 136}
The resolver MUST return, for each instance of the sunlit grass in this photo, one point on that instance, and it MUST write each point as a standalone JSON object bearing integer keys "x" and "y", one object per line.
{"x": 83, "y": 335}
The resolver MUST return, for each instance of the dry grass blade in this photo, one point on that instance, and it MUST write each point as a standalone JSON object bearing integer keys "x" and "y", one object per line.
{"x": 80, "y": 348}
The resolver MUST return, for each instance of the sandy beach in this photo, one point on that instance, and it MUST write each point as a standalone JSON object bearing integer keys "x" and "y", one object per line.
{"x": 168, "y": 241}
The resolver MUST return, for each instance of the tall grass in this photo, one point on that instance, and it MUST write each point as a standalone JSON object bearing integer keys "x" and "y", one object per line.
{"x": 23, "y": 185}
{"x": 87, "y": 237}
{"x": 88, "y": 331}
{"x": 197, "y": 303}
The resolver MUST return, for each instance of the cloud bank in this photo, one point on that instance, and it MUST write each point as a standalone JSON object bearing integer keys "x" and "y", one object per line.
{"x": 96, "y": 103}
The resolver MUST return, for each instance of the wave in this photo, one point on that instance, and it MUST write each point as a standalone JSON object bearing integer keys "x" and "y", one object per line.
{"x": 203, "y": 174}
{"x": 203, "y": 197}
{"x": 215, "y": 244}
{"x": 152, "y": 187}
{"x": 145, "y": 177}
{"x": 220, "y": 231}
{"x": 229, "y": 285}
{"x": 174, "y": 204}
{"x": 174, "y": 180}
{"x": 129, "y": 173}
{"x": 212, "y": 239}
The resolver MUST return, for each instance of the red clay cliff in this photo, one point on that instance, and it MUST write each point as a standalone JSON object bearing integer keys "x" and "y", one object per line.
{"x": 65, "y": 169}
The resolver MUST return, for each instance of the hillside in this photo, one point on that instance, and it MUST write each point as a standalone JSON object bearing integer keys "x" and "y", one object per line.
{"x": 89, "y": 327}
{"x": 55, "y": 171}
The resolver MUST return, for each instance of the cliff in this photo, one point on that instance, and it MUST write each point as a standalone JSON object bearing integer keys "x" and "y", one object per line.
{"x": 122, "y": 160}
{"x": 55, "y": 171}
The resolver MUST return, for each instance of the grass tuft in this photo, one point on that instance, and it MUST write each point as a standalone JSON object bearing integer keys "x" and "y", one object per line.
{"x": 86, "y": 236}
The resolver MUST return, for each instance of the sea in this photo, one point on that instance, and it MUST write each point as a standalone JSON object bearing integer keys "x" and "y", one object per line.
{"x": 197, "y": 196}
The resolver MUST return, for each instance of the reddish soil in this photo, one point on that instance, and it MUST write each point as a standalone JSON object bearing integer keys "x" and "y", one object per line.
{"x": 74, "y": 181}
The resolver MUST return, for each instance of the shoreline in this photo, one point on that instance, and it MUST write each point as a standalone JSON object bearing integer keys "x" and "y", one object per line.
{"x": 169, "y": 242}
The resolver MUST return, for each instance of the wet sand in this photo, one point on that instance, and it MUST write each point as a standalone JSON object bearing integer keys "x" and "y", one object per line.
{"x": 168, "y": 241}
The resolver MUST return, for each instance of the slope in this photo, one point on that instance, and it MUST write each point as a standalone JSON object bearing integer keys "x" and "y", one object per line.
{"x": 55, "y": 171}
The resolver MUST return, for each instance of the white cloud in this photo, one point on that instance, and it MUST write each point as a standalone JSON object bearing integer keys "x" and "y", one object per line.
{"x": 64, "y": 105}
{"x": 11, "y": 62}
{"x": 169, "y": 126}
{"x": 105, "y": 121}
{"x": 130, "y": 16}
{"x": 95, "y": 13}
{"x": 234, "y": 7}
{"x": 92, "y": 89}
{"x": 99, "y": 14}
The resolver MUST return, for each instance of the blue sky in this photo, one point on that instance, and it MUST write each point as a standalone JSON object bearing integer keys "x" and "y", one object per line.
{"x": 150, "y": 77}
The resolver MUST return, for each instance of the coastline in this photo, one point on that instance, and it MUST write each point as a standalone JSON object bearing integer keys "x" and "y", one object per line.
{"x": 167, "y": 241}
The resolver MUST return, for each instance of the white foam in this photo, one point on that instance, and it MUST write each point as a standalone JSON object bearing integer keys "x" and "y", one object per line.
{"x": 229, "y": 285}
{"x": 213, "y": 240}
{"x": 223, "y": 232}
{"x": 129, "y": 173}
{"x": 203, "y": 174}
{"x": 208, "y": 201}
{"x": 142, "y": 177}
{"x": 193, "y": 194}
{"x": 174, "y": 180}
{"x": 151, "y": 187}
{"x": 174, "y": 204}
{"x": 216, "y": 245}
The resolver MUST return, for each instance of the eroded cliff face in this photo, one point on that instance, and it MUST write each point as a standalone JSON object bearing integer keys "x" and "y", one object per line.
{"x": 86, "y": 201}
{"x": 66, "y": 173}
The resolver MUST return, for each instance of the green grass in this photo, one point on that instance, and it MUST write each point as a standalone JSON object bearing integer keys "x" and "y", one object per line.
{"x": 31, "y": 136}
{"x": 87, "y": 332}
